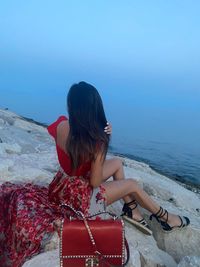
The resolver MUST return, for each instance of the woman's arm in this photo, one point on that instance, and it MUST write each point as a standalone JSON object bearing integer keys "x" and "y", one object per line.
{"x": 96, "y": 176}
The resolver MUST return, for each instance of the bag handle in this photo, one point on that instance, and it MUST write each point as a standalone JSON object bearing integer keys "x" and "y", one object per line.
{"x": 82, "y": 216}
{"x": 114, "y": 216}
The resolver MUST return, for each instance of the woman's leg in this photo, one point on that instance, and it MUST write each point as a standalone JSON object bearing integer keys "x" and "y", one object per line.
{"x": 114, "y": 168}
{"x": 116, "y": 190}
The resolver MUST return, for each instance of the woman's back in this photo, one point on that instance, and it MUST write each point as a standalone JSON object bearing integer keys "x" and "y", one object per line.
{"x": 59, "y": 130}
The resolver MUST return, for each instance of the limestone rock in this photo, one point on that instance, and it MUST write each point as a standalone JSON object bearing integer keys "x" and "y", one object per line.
{"x": 135, "y": 259}
{"x": 47, "y": 259}
{"x": 2, "y": 121}
{"x": 146, "y": 246}
{"x": 189, "y": 261}
{"x": 27, "y": 154}
{"x": 10, "y": 148}
{"x": 179, "y": 242}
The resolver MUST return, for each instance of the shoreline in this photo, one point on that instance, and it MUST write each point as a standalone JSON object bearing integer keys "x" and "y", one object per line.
{"x": 188, "y": 185}
{"x": 178, "y": 179}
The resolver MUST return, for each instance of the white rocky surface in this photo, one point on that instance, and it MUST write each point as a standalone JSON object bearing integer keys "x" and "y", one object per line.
{"x": 190, "y": 261}
{"x": 27, "y": 153}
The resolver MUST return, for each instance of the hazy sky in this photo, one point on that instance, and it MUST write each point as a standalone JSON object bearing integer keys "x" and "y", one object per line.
{"x": 120, "y": 46}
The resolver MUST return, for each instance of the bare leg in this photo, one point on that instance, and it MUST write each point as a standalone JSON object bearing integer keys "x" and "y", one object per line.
{"x": 116, "y": 190}
{"x": 114, "y": 168}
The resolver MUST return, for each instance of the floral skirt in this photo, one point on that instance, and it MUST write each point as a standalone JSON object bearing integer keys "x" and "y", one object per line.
{"x": 27, "y": 213}
{"x": 77, "y": 192}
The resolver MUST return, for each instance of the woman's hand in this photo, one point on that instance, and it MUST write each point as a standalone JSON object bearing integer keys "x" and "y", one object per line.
{"x": 108, "y": 128}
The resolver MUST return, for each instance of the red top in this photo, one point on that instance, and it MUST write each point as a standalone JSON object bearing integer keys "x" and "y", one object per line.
{"x": 63, "y": 158}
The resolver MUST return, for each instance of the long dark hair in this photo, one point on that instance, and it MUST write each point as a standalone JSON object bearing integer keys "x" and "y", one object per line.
{"x": 87, "y": 121}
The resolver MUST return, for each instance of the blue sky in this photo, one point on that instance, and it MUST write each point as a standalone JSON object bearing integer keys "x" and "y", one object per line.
{"x": 153, "y": 46}
{"x": 116, "y": 35}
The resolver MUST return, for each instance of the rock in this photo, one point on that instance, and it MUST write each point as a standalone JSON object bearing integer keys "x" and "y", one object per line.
{"x": 27, "y": 154}
{"x": 134, "y": 258}
{"x": 5, "y": 164}
{"x": 180, "y": 242}
{"x": 162, "y": 187}
{"x": 146, "y": 246}
{"x": 9, "y": 148}
{"x": 189, "y": 261}
{"x": 1, "y": 122}
{"x": 27, "y": 126}
{"x": 47, "y": 259}
{"x": 28, "y": 174}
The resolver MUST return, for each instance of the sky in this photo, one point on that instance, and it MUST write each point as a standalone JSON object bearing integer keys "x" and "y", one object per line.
{"x": 147, "y": 51}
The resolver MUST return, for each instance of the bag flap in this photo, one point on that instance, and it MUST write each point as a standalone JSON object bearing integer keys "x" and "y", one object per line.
{"x": 108, "y": 236}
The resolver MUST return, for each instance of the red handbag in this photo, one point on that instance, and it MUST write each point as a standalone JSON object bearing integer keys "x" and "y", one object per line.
{"x": 92, "y": 243}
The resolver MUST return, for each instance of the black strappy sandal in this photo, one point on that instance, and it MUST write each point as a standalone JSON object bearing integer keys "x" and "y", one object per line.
{"x": 127, "y": 215}
{"x": 165, "y": 226}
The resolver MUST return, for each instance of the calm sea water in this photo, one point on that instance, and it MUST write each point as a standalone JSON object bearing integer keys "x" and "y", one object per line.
{"x": 159, "y": 127}
{"x": 166, "y": 134}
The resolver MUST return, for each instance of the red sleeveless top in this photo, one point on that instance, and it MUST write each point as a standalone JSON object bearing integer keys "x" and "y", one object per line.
{"x": 63, "y": 157}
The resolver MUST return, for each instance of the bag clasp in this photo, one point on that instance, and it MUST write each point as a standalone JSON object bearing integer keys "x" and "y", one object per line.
{"x": 92, "y": 262}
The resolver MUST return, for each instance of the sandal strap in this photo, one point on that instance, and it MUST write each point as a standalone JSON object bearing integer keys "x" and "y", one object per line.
{"x": 184, "y": 222}
{"x": 157, "y": 214}
{"x": 164, "y": 224}
{"x": 131, "y": 203}
{"x": 165, "y": 212}
{"x": 143, "y": 222}
{"x": 160, "y": 214}
{"x": 127, "y": 210}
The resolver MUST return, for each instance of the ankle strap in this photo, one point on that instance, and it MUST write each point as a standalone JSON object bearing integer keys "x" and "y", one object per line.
{"x": 160, "y": 214}
{"x": 132, "y": 202}
{"x": 127, "y": 210}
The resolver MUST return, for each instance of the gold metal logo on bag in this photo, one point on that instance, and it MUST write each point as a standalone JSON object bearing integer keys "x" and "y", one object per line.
{"x": 92, "y": 262}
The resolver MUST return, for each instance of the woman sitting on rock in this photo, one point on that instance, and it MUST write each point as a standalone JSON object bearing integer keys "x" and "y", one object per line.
{"x": 82, "y": 146}
{"x": 28, "y": 212}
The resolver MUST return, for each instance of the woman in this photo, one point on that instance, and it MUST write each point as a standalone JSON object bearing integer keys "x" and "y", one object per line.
{"x": 28, "y": 212}
{"x": 83, "y": 139}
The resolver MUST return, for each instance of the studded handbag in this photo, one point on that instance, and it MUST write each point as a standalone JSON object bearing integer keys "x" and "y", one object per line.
{"x": 92, "y": 242}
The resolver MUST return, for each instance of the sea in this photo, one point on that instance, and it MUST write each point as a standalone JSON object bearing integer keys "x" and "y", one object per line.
{"x": 160, "y": 128}
{"x": 164, "y": 133}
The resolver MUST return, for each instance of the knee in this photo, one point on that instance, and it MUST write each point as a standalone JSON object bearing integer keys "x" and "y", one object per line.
{"x": 118, "y": 163}
{"x": 134, "y": 185}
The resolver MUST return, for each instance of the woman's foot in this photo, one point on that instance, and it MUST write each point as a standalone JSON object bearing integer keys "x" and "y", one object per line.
{"x": 169, "y": 221}
{"x": 174, "y": 220}
{"x": 135, "y": 217}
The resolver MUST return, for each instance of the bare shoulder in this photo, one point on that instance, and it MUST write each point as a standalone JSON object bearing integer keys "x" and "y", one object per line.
{"x": 62, "y": 133}
{"x": 63, "y": 126}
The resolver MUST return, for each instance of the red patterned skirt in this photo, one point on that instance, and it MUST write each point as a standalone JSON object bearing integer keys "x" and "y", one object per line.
{"x": 27, "y": 213}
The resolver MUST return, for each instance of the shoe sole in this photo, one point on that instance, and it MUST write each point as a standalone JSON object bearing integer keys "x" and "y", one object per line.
{"x": 138, "y": 225}
{"x": 175, "y": 229}
{"x": 178, "y": 228}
